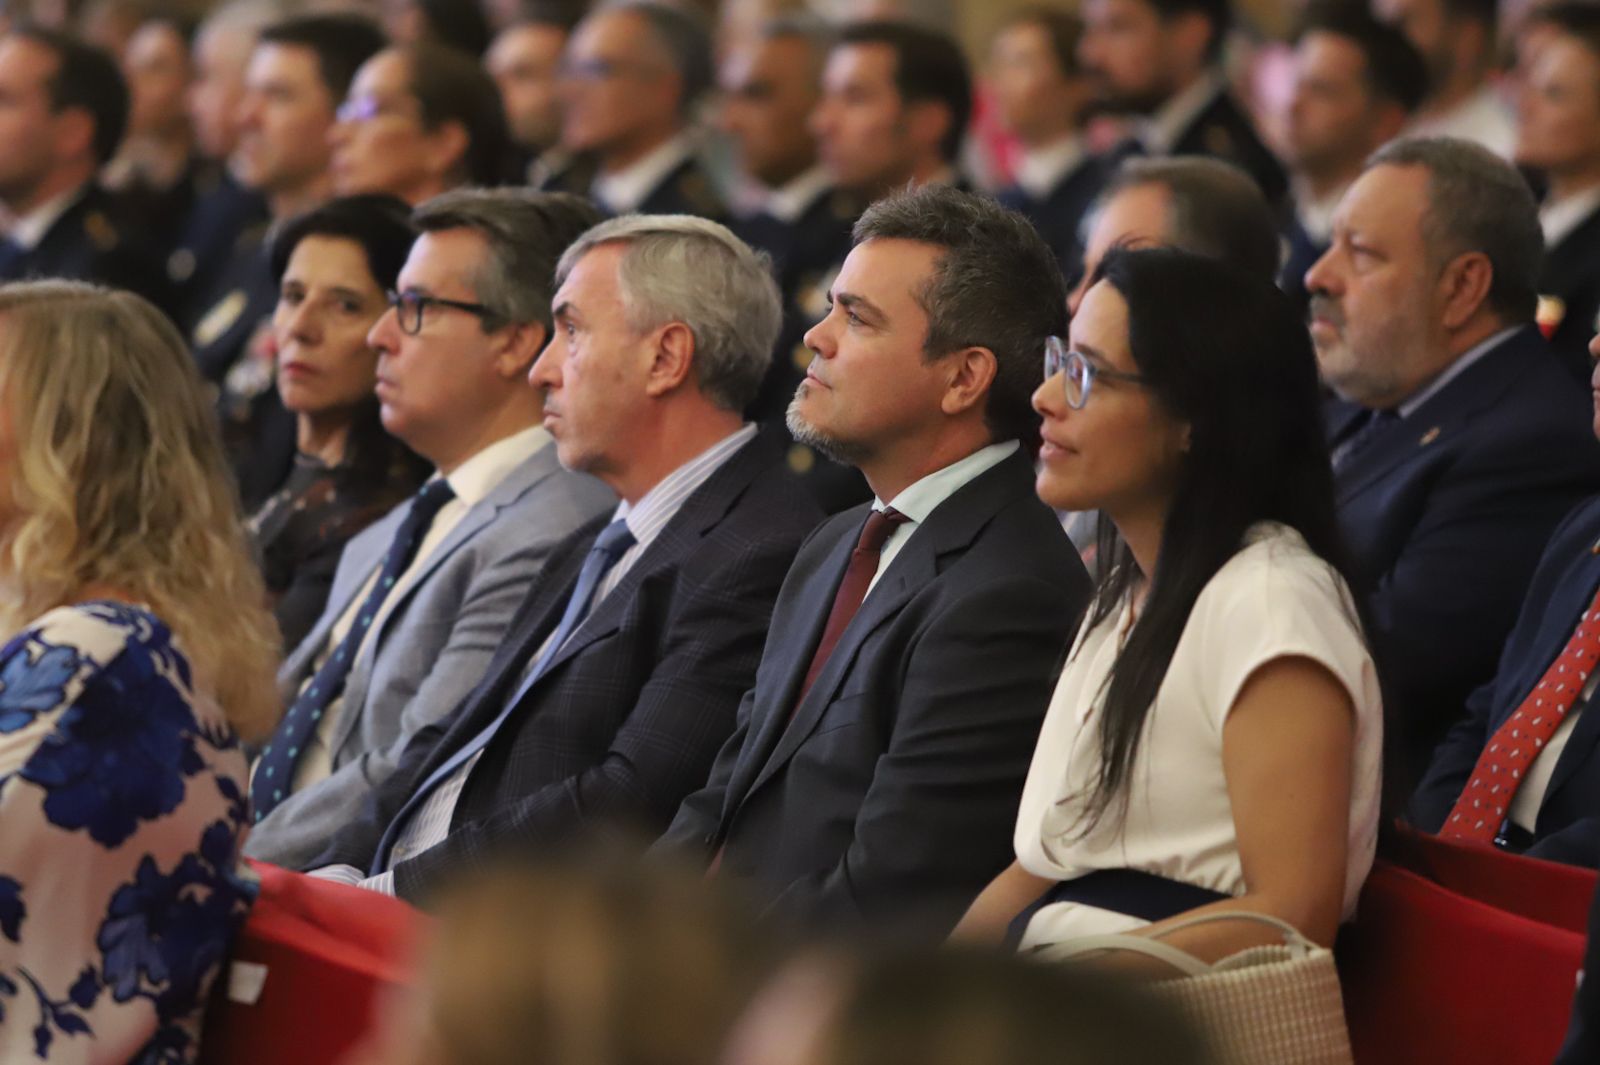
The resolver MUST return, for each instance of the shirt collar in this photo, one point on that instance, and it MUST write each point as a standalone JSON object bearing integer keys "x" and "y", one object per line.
{"x": 658, "y": 506}
{"x": 1316, "y": 216}
{"x": 1560, "y": 217}
{"x": 1454, "y": 370}
{"x": 625, "y": 190}
{"x": 479, "y": 475}
{"x": 1162, "y": 130}
{"x": 789, "y": 201}
{"x": 31, "y": 228}
{"x": 923, "y": 497}
{"x": 1042, "y": 169}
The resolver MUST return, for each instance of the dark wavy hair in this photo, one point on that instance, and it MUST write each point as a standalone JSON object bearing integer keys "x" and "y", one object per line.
{"x": 1225, "y": 352}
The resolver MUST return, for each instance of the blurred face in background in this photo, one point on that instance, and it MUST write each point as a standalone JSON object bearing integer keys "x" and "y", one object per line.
{"x": 769, "y": 89}
{"x": 525, "y": 62}
{"x": 1135, "y": 58}
{"x": 284, "y": 120}
{"x": 221, "y": 55}
{"x": 1135, "y": 217}
{"x": 327, "y": 301}
{"x": 1558, "y": 111}
{"x": 29, "y": 129}
{"x": 863, "y": 126}
{"x": 380, "y": 144}
{"x": 618, "y": 89}
{"x": 1334, "y": 122}
{"x": 157, "y": 70}
{"x": 1035, "y": 98}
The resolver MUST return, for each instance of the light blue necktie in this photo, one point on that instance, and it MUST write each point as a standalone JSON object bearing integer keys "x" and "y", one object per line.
{"x": 613, "y": 541}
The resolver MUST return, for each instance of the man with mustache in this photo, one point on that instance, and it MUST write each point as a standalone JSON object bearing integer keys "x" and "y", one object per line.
{"x": 1461, "y": 441}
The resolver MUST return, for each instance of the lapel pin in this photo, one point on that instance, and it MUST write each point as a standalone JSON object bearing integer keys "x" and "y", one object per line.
{"x": 1429, "y": 437}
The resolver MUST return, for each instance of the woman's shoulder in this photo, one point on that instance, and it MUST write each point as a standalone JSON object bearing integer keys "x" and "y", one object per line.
{"x": 99, "y": 630}
{"x": 1275, "y": 569}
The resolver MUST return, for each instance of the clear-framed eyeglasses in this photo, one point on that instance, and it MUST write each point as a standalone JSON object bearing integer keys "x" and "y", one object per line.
{"x": 1078, "y": 374}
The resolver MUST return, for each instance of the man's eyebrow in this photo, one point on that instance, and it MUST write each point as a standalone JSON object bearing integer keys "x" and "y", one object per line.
{"x": 1092, "y": 353}
{"x": 859, "y": 305}
{"x": 564, "y": 309}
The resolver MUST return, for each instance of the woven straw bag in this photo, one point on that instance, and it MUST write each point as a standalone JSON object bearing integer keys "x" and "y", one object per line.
{"x": 1277, "y": 1004}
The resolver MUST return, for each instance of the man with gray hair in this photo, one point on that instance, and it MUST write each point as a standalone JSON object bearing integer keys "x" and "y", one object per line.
{"x": 1459, "y": 441}
{"x": 874, "y": 777}
{"x": 617, "y": 680}
{"x": 422, "y": 597}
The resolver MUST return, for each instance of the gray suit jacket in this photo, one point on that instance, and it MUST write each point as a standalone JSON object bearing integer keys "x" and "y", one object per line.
{"x": 431, "y": 643}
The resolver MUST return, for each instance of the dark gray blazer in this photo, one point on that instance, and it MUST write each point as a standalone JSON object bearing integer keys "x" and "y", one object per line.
{"x": 431, "y": 643}
{"x": 631, "y": 711}
{"x": 890, "y": 800}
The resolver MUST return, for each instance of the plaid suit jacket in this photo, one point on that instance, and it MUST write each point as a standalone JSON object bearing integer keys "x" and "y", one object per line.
{"x": 631, "y": 712}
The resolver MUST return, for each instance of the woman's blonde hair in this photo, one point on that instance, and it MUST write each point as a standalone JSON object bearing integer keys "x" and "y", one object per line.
{"x": 119, "y": 480}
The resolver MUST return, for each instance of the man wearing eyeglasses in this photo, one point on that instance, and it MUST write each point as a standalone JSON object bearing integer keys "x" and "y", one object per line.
{"x": 872, "y": 783}
{"x": 629, "y": 83}
{"x": 422, "y": 598}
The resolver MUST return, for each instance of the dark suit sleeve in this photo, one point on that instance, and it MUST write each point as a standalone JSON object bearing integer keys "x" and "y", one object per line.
{"x": 665, "y": 746}
{"x": 936, "y": 823}
{"x": 301, "y": 603}
{"x": 694, "y": 828}
{"x": 1576, "y": 844}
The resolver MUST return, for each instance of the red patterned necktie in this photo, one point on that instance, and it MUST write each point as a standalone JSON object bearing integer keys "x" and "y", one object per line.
{"x": 1503, "y": 765}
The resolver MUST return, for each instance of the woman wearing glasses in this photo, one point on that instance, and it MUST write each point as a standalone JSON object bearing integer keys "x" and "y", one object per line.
{"x": 334, "y": 265}
{"x": 1214, "y": 739}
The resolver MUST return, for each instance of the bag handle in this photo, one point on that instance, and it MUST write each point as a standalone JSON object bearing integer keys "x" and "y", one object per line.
{"x": 1186, "y": 963}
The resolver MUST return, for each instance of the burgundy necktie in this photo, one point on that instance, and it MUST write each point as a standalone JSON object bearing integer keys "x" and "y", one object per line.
{"x": 853, "y": 589}
{"x": 1481, "y": 809}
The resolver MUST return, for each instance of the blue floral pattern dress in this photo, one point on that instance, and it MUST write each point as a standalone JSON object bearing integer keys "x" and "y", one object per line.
{"x": 122, "y": 808}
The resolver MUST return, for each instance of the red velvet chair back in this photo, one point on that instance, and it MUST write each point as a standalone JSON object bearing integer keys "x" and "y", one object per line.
{"x": 1550, "y": 892}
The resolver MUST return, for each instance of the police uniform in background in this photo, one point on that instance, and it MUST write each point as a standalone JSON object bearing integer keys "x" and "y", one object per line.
{"x": 1054, "y": 190}
{"x": 221, "y": 212}
{"x": 232, "y": 343}
{"x": 92, "y": 239}
{"x": 808, "y": 236}
{"x": 1569, "y": 285}
{"x": 671, "y": 179}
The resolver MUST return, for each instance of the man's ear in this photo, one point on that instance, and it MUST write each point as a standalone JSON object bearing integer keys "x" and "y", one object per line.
{"x": 448, "y": 145}
{"x": 74, "y": 133}
{"x": 929, "y": 122}
{"x": 972, "y": 373}
{"x": 1189, "y": 35}
{"x": 523, "y": 343}
{"x": 671, "y": 359}
{"x": 1464, "y": 285}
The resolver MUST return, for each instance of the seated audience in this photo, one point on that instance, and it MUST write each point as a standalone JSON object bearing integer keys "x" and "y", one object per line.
{"x": 1558, "y": 134}
{"x": 1356, "y": 82}
{"x": 1160, "y": 62}
{"x": 1457, "y": 41}
{"x": 421, "y": 599}
{"x": 955, "y": 1007}
{"x": 1042, "y": 98}
{"x": 334, "y": 266}
{"x": 525, "y": 63}
{"x": 617, "y": 679}
{"x": 419, "y": 119}
{"x": 878, "y": 758}
{"x": 1520, "y": 769}
{"x": 66, "y": 110}
{"x": 667, "y": 963}
{"x": 449, "y": 23}
{"x": 632, "y": 76}
{"x": 1458, "y": 442}
{"x": 154, "y": 168}
{"x": 138, "y": 656}
{"x": 298, "y": 72}
{"x": 1222, "y": 665}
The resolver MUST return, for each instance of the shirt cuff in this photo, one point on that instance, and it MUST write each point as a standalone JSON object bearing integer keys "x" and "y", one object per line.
{"x": 383, "y": 883}
{"x": 339, "y": 874}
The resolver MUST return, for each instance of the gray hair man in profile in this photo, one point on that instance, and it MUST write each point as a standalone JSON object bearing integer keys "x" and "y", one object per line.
{"x": 1460, "y": 441}
{"x": 618, "y": 678}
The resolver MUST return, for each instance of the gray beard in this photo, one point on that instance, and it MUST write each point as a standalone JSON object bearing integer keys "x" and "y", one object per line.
{"x": 841, "y": 451}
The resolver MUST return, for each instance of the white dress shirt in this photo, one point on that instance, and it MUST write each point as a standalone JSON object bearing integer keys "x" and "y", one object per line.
{"x": 1482, "y": 118}
{"x": 792, "y": 199}
{"x": 30, "y": 229}
{"x": 1558, "y": 218}
{"x": 625, "y": 190}
{"x": 1041, "y": 169}
{"x": 923, "y": 497}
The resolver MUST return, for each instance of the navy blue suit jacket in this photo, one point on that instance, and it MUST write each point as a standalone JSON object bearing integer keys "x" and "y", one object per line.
{"x": 1568, "y": 826}
{"x": 1059, "y": 215}
{"x": 1446, "y": 513}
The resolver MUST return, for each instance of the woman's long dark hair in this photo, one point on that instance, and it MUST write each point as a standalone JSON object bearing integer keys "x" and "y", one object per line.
{"x": 1225, "y": 352}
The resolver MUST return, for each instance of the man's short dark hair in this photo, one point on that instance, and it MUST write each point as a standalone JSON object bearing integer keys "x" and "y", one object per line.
{"x": 1216, "y": 209}
{"x": 553, "y": 13}
{"x": 1394, "y": 70}
{"x": 1216, "y": 12}
{"x": 996, "y": 285}
{"x": 341, "y": 44}
{"x": 927, "y": 66}
{"x": 88, "y": 79}
{"x": 1061, "y": 28}
{"x": 452, "y": 86}
{"x": 686, "y": 41}
{"x": 1477, "y": 202}
{"x": 456, "y": 25}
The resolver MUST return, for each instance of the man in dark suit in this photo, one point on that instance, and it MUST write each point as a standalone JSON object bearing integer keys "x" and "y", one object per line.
{"x": 1557, "y": 129}
{"x": 299, "y": 71}
{"x": 1356, "y": 82}
{"x": 618, "y": 678}
{"x": 66, "y": 107}
{"x": 1161, "y": 60}
{"x": 1458, "y": 443}
{"x": 873, "y": 778}
{"x": 1042, "y": 97}
{"x": 632, "y": 76}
